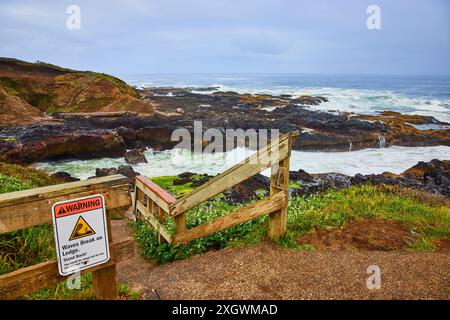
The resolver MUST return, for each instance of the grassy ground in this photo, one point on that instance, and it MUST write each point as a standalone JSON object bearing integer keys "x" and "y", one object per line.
{"x": 426, "y": 215}
{"x": 25, "y": 247}
{"x": 30, "y": 246}
{"x": 166, "y": 182}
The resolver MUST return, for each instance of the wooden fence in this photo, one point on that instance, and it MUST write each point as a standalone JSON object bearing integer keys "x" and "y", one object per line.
{"x": 156, "y": 204}
{"x": 24, "y": 209}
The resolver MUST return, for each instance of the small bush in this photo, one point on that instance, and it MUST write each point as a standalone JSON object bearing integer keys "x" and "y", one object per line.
{"x": 249, "y": 232}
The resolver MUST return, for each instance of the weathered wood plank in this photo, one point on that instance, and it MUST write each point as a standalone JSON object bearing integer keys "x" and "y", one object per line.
{"x": 160, "y": 192}
{"x": 263, "y": 159}
{"x": 162, "y": 198}
{"x": 23, "y": 209}
{"x": 279, "y": 184}
{"x": 18, "y": 283}
{"x": 154, "y": 222}
{"x": 247, "y": 213}
{"x": 180, "y": 223}
{"x": 104, "y": 281}
{"x": 21, "y": 197}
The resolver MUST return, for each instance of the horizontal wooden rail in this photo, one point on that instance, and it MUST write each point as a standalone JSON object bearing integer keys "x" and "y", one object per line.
{"x": 244, "y": 214}
{"x": 266, "y": 157}
{"x": 160, "y": 196}
{"x": 23, "y": 209}
{"x": 18, "y": 283}
{"x": 160, "y": 202}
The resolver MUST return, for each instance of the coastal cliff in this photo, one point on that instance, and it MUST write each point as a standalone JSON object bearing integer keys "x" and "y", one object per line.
{"x": 30, "y": 92}
{"x": 49, "y": 112}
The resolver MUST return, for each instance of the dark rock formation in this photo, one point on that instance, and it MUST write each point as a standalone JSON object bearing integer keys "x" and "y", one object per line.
{"x": 244, "y": 192}
{"x": 320, "y": 182}
{"x": 135, "y": 156}
{"x": 125, "y": 170}
{"x": 433, "y": 176}
{"x": 51, "y": 141}
{"x": 64, "y": 176}
{"x": 300, "y": 175}
{"x": 248, "y": 190}
{"x": 112, "y": 117}
{"x": 103, "y": 172}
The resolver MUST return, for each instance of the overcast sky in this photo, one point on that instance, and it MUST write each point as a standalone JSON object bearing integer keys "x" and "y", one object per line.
{"x": 243, "y": 36}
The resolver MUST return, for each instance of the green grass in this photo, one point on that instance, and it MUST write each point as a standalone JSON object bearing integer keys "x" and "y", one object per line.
{"x": 425, "y": 216}
{"x": 246, "y": 233}
{"x": 336, "y": 208}
{"x": 126, "y": 293}
{"x": 330, "y": 209}
{"x": 294, "y": 184}
{"x": 15, "y": 178}
{"x": 61, "y": 291}
{"x": 25, "y": 247}
{"x": 33, "y": 64}
{"x": 166, "y": 182}
{"x": 13, "y": 86}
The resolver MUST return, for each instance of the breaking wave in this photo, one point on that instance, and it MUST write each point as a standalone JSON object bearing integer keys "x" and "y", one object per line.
{"x": 173, "y": 162}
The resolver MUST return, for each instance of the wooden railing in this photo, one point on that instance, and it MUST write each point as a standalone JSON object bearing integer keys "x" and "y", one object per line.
{"x": 24, "y": 209}
{"x": 156, "y": 204}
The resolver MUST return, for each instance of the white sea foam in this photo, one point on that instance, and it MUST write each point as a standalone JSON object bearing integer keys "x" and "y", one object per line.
{"x": 361, "y": 101}
{"x": 173, "y": 162}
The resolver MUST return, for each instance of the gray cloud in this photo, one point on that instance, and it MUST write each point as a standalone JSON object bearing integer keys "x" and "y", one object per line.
{"x": 137, "y": 36}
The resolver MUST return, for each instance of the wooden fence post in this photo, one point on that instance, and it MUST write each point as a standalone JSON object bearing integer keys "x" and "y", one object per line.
{"x": 275, "y": 155}
{"x": 180, "y": 223}
{"x": 279, "y": 182}
{"x": 104, "y": 281}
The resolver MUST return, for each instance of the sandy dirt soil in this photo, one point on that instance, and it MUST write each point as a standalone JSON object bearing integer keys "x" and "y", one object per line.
{"x": 268, "y": 271}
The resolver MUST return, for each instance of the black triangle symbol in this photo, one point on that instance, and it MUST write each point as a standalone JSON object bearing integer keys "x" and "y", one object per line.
{"x": 81, "y": 229}
{"x": 62, "y": 210}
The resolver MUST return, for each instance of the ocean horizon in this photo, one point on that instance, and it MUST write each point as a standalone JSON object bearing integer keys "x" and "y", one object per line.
{"x": 365, "y": 94}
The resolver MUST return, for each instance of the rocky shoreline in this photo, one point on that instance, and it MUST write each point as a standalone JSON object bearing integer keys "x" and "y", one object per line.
{"x": 97, "y": 135}
{"x": 433, "y": 177}
{"x": 48, "y": 112}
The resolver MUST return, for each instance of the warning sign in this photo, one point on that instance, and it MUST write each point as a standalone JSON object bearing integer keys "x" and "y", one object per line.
{"x": 82, "y": 229}
{"x": 81, "y": 233}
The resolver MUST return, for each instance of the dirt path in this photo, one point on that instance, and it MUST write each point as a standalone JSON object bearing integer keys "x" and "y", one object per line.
{"x": 267, "y": 271}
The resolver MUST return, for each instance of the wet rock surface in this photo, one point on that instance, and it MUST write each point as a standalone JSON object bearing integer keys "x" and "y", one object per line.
{"x": 248, "y": 190}
{"x": 135, "y": 156}
{"x": 125, "y": 170}
{"x": 40, "y": 142}
{"x": 433, "y": 177}
{"x": 103, "y": 134}
{"x": 64, "y": 177}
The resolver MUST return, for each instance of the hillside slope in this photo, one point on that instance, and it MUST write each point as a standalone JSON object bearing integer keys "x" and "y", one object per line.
{"x": 31, "y": 90}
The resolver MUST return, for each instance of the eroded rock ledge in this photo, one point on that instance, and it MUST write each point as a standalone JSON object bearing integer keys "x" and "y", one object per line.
{"x": 433, "y": 177}
{"x": 110, "y": 134}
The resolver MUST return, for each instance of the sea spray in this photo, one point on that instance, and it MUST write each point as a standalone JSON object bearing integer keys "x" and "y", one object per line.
{"x": 367, "y": 161}
{"x": 382, "y": 142}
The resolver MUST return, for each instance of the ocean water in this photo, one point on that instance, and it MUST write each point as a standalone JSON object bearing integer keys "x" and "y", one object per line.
{"x": 424, "y": 95}
{"x": 173, "y": 162}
